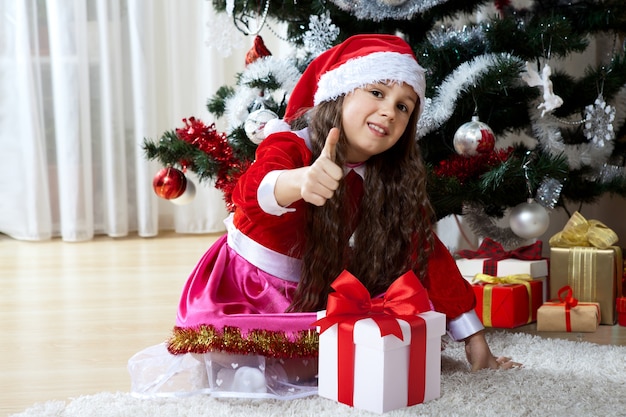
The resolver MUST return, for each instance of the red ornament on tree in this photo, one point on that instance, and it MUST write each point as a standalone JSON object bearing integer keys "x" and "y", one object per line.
{"x": 169, "y": 183}
{"x": 501, "y": 5}
{"x": 258, "y": 50}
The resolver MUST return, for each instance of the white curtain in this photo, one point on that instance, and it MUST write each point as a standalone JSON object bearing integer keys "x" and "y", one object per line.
{"x": 82, "y": 83}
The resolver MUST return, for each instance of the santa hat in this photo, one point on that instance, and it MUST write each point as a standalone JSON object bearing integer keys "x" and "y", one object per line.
{"x": 354, "y": 63}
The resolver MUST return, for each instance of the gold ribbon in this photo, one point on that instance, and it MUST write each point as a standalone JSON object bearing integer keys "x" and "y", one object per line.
{"x": 581, "y": 272}
{"x": 579, "y": 231}
{"x": 490, "y": 281}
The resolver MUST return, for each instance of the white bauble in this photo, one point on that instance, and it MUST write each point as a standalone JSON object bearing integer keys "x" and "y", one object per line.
{"x": 255, "y": 122}
{"x": 529, "y": 220}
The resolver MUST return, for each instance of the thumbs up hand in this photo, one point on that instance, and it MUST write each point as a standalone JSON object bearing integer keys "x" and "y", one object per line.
{"x": 330, "y": 146}
{"x": 323, "y": 176}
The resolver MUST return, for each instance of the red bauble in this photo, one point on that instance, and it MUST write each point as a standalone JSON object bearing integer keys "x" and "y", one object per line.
{"x": 169, "y": 183}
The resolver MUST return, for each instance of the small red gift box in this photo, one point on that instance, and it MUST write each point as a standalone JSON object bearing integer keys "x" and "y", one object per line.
{"x": 621, "y": 311}
{"x": 508, "y": 305}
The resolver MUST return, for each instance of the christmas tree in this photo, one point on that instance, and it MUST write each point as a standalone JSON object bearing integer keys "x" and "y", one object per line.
{"x": 489, "y": 80}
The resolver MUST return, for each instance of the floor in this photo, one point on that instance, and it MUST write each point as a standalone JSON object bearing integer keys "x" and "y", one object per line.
{"x": 71, "y": 314}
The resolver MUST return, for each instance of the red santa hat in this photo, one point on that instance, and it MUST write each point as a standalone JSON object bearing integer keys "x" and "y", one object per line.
{"x": 354, "y": 63}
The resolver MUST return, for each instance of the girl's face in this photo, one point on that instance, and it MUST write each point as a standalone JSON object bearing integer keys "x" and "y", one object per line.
{"x": 374, "y": 118}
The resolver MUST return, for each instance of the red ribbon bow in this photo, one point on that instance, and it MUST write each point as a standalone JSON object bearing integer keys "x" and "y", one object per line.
{"x": 495, "y": 252}
{"x": 351, "y": 302}
{"x": 566, "y": 297}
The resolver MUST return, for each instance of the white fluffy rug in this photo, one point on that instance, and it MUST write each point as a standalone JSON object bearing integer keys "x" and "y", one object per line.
{"x": 559, "y": 378}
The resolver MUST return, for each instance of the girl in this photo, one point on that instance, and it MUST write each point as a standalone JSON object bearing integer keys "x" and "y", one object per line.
{"x": 346, "y": 191}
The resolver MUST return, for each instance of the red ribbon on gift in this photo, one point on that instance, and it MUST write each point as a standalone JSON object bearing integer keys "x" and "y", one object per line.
{"x": 351, "y": 302}
{"x": 566, "y": 298}
{"x": 494, "y": 251}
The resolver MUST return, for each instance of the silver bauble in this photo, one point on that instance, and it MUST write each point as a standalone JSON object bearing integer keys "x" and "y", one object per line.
{"x": 255, "y": 123}
{"x": 473, "y": 138}
{"x": 529, "y": 220}
{"x": 187, "y": 196}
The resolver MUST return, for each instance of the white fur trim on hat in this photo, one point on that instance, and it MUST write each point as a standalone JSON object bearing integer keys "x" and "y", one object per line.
{"x": 369, "y": 69}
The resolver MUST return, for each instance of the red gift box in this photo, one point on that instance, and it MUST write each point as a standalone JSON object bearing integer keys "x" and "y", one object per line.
{"x": 621, "y": 311}
{"x": 508, "y": 305}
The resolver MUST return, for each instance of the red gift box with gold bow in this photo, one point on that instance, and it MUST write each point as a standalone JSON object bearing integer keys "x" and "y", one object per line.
{"x": 508, "y": 301}
{"x": 379, "y": 354}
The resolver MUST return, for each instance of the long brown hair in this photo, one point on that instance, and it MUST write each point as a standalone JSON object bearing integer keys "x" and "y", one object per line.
{"x": 394, "y": 234}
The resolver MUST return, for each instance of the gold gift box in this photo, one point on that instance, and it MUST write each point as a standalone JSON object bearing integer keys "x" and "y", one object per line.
{"x": 595, "y": 275}
{"x": 552, "y": 317}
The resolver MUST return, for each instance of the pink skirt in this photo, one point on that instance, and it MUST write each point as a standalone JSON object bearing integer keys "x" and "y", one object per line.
{"x": 230, "y": 305}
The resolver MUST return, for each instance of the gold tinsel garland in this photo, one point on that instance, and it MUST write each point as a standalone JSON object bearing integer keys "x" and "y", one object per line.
{"x": 273, "y": 344}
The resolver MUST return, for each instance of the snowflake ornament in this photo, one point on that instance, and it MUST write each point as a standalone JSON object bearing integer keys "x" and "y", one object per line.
{"x": 321, "y": 35}
{"x": 219, "y": 35}
{"x": 599, "y": 118}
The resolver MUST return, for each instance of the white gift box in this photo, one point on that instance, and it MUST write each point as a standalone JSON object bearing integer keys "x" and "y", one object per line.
{"x": 471, "y": 267}
{"x": 537, "y": 269}
{"x": 381, "y": 364}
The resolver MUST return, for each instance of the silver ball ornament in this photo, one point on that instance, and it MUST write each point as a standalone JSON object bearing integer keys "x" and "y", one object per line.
{"x": 529, "y": 220}
{"x": 255, "y": 122}
{"x": 473, "y": 138}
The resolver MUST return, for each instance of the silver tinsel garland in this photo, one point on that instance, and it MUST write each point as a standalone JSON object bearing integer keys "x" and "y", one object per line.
{"x": 238, "y": 107}
{"x": 444, "y": 34}
{"x": 484, "y": 226}
{"x": 378, "y": 10}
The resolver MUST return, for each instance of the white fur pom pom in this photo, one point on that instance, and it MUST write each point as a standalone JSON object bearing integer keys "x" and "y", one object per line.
{"x": 275, "y": 126}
